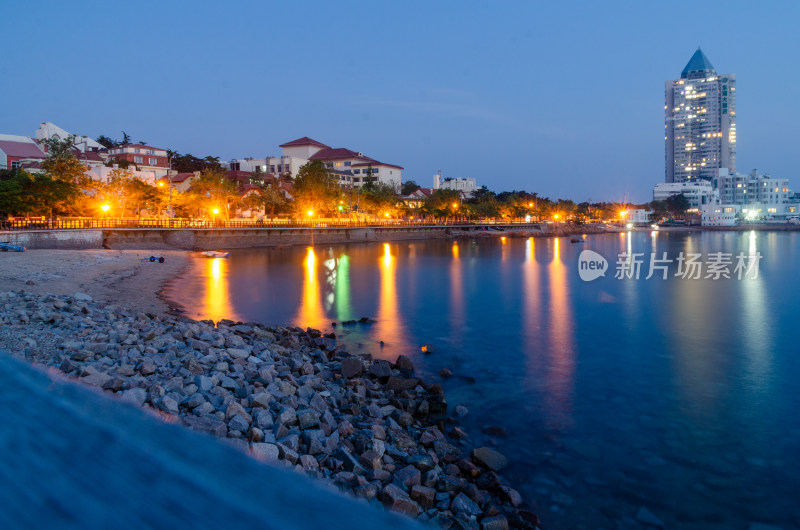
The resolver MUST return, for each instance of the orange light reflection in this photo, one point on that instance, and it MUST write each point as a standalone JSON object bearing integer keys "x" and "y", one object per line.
{"x": 217, "y": 296}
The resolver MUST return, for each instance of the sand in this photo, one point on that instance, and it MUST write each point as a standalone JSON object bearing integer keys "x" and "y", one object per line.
{"x": 110, "y": 276}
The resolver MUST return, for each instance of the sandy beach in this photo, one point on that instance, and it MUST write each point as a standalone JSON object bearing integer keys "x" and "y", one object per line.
{"x": 109, "y": 276}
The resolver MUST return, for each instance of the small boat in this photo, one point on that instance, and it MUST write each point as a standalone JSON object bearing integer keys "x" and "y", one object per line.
{"x": 8, "y": 247}
{"x": 216, "y": 254}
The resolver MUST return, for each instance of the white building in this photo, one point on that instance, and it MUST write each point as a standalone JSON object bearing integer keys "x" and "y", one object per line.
{"x": 700, "y": 122}
{"x": 718, "y": 214}
{"x": 352, "y": 168}
{"x": 465, "y": 185}
{"x": 759, "y": 196}
{"x": 102, "y": 173}
{"x": 639, "y": 216}
{"x": 697, "y": 192}
{"x": 82, "y": 143}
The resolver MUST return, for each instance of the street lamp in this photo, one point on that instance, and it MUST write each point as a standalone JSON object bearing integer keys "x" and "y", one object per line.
{"x": 105, "y": 207}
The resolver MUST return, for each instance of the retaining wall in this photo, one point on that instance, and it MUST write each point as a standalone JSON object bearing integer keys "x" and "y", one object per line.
{"x": 66, "y": 239}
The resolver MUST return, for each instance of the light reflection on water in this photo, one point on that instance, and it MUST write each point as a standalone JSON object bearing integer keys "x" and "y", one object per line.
{"x": 680, "y": 395}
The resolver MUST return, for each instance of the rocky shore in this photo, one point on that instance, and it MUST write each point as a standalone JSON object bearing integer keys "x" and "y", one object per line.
{"x": 289, "y": 396}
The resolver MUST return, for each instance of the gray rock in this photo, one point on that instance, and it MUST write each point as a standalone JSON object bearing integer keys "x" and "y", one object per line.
{"x": 265, "y": 451}
{"x": 308, "y": 419}
{"x": 82, "y": 355}
{"x": 287, "y": 453}
{"x": 511, "y": 496}
{"x": 309, "y": 463}
{"x": 349, "y": 462}
{"x": 193, "y": 401}
{"x": 72, "y": 345}
{"x": 263, "y": 419}
{"x": 409, "y": 476}
{"x": 147, "y": 368}
{"x": 398, "y": 500}
{"x": 261, "y": 400}
{"x": 489, "y": 458}
{"x": 425, "y": 497}
{"x": 98, "y": 379}
{"x": 237, "y": 353}
{"x": 203, "y": 383}
{"x": 463, "y": 504}
{"x": 351, "y": 367}
{"x": 404, "y": 364}
{"x": 238, "y": 423}
{"x": 498, "y": 522}
{"x": 460, "y": 411}
{"x": 370, "y": 460}
{"x": 380, "y": 369}
{"x": 135, "y": 396}
{"x": 204, "y": 424}
{"x": 167, "y": 404}
{"x": 83, "y": 297}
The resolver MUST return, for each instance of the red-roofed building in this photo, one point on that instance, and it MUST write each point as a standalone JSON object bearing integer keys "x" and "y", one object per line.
{"x": 145, "y": 157}
{"x": 303, "y": 147}
{"x": 180, "y": 181}
{"x": 352, "y": 168}
{"x": 16, "y": 151}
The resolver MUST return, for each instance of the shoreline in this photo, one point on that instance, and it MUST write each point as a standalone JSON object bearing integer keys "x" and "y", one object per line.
{"x": 288, "y": 396}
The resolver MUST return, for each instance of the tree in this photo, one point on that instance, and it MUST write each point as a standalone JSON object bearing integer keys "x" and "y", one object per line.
{"x": 315, "y": 189}
{"x": 369, "y": 178}
{"x": 677, "y": 205}
{"x": 660, "y": 210}
{"x": 410, "y": 187}
{"x": 126, "y": 139}
{"x": 379, "y": 198}
{"x": 442, "y": 203}
{"x": 213, "y": 189}
{"x": 129, "y": 192}
{"x": 22, "y": 193}
{"x": 189, "y": 163}
{"x": 482, "y": 204}
{"x": 61, "y": 162}
{"x": 107, "y": 142}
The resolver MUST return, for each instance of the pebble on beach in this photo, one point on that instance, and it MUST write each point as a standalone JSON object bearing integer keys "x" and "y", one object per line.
{"x": 288, "y": 396}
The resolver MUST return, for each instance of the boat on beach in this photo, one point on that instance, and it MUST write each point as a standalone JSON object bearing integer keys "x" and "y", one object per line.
{"x": 8, "y": 247}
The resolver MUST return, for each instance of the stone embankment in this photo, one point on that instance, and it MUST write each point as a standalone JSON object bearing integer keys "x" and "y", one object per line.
{"x": 289, "y": 396}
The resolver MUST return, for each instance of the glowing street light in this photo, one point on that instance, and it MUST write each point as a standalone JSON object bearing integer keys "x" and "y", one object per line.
{"x": 215, "y": 211}
{"x": 105, "y": 207}
{"x": 455, "y": 205}
{"x": 386, "y": 214}
{"x": 555, "y": 216}
{"x": 310, "y": 213}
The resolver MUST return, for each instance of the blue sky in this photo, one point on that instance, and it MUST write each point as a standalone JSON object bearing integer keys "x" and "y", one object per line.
{"x": 563, "y": 98}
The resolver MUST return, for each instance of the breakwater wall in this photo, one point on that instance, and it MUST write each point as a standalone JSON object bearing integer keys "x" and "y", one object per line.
{"x": 211, "y": 238}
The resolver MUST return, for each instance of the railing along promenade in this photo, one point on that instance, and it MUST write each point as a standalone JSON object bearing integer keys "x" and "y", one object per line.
{"x": 76, "y": 224}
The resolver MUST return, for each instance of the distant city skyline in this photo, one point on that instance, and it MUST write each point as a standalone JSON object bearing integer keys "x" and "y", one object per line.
{"x": 564, "y": 100}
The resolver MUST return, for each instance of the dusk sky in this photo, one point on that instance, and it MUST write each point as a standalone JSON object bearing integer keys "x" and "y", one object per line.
{"x": 562, "y": 98}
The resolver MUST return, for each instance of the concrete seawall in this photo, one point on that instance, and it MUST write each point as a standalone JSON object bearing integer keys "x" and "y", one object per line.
{"x": 64, "y": 239}
{"x": 225, "y": 238}
{"x": 205, "y": 239}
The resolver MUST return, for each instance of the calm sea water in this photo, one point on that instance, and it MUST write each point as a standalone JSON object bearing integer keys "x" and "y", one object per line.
{"x": 678, "y": 395}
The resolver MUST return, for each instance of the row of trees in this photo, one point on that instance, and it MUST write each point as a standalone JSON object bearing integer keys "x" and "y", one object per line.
{"x": 64, "y": 189}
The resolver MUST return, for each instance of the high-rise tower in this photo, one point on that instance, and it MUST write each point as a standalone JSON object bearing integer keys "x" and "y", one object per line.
{"x": 700, "y": 122}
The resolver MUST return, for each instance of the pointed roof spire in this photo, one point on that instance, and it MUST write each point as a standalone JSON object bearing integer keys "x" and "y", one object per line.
{"x": 698, "y": 66}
